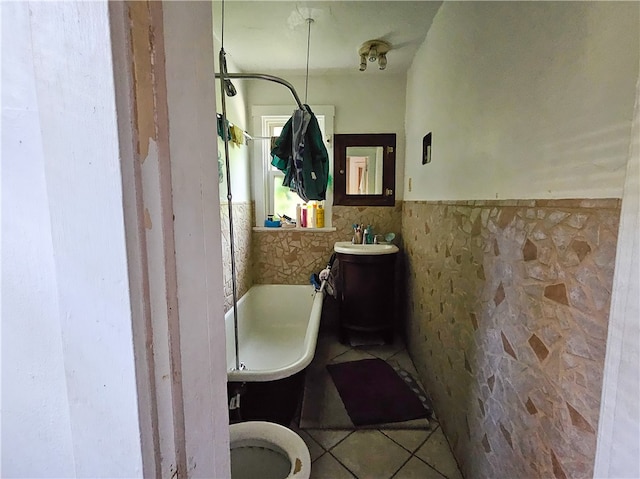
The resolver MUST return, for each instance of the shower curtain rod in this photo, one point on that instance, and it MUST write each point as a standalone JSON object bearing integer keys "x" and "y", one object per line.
{"x": 262, "y": 76}
{"x": 223, "y": 76}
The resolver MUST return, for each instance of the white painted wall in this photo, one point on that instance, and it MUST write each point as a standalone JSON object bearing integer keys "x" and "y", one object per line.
{"x": 524, "y": 99}
{"x": 69, "y": 403}
{"x": 363, "y": 104}
{"x": 239, "y": 156}
{"x": 619, "y": 425}
{"x": 535, "y": 100}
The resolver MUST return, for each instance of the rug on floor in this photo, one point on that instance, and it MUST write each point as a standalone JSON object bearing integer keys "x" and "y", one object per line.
{"x": 369, "y": 393}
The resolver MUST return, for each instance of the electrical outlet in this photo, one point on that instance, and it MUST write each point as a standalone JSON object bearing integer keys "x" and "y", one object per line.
{"x": 409, "y": 184}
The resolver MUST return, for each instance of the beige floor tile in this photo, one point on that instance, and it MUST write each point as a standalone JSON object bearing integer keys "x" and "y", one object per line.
{"x": 416, "y": 469}
{"x": 363, "y": 339}
{"x": 322, "y": 405}
{"x": 436, "y": 452}
{"x": 327, "y": 348}
{"x": 352, "y": 355}
{"x": 315, "y": 449}
{"x": 327, "y": 438}
{"x": 370, "y": 454}
{"x": 327, "y": 467}
{"x": 404, "y": 361}
{"x": 384, "y": 351}
{"x": 409, "y": 439}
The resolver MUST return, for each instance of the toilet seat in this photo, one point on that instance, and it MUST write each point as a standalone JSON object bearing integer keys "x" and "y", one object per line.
{"x": 278, "y": 438}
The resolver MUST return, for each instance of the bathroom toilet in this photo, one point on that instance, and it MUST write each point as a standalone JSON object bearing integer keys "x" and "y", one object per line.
{"x": 267, "y": 450}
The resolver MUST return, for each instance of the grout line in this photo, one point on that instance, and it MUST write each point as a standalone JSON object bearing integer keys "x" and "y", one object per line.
{"x": 400, "y": 468}
{"x": 313, "y": 440}
{"x": 450, "y": 452}
{"x": 455, "y": 459}
{"x": 316, "y": 459}
{"x": 330, "y": 360}
{"x": 340, "y": 462}
{"x": 419, "y": 446}
{"x": 339, "y": 442}
{"x": 425, "y": 462}
{"x": 432, "y": 421}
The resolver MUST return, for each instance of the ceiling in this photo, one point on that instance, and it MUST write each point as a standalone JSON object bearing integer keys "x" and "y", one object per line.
{"x": 271, "y": 36}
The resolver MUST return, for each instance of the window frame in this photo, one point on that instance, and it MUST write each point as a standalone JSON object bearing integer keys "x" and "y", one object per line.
{"x": 269, "y": 122}
{"x": 264, "y": 119}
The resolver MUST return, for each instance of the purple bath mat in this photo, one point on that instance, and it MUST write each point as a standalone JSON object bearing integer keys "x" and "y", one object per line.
{"x": 373, "y": 393}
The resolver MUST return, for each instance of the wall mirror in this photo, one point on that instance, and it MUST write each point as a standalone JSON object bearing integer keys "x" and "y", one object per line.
{"x": 365, "y": 169}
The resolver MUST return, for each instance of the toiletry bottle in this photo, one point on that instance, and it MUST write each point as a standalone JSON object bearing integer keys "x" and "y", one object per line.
{"x": 298, "y": 215}
{"x": 320, "y": 216}
{"x": 311, "y": 215}
{"x": 315, "y": 214}
{"x": 303, "y": 216}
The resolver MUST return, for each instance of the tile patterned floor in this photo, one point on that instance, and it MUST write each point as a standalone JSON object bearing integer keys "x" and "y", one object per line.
{"x": 375, "y": 453}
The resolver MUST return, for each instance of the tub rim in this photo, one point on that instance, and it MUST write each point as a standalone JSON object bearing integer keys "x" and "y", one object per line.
{"x": 310, "y": 341}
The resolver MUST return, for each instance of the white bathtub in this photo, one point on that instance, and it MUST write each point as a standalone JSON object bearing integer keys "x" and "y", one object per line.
{"x": 277, "y": 332}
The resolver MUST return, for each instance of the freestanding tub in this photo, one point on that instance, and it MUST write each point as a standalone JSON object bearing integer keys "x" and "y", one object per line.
{"x": 277, "y": 332}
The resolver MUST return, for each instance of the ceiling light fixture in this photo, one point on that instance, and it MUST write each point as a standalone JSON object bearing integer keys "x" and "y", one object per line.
{"x": 363, "y": 63}
{"x": 374, "y": 50}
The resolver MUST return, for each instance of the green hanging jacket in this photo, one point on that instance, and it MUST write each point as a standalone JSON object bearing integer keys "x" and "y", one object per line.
{"x": 315, "y": 160}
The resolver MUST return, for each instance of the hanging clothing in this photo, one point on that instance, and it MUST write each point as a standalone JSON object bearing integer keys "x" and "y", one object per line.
{"x": 221, "y": 127}
{"x": 300, "y": 154}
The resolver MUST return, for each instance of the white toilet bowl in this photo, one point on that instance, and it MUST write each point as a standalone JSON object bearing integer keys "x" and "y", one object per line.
{"x": 268, "y": 451}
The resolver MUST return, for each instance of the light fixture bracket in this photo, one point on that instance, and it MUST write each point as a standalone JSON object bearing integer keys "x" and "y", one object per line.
{"x": 372, "y": 50}
{"x": 380, "y": 45}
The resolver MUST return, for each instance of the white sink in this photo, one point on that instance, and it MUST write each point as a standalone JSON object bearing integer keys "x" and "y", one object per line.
{"x": 346, "y": 247}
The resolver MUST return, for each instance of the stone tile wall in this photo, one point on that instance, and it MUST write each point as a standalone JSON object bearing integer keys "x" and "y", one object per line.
{"x": 284, "y": 256}
{"x": 508, "y": 303}
{"x": 242, "y": 225}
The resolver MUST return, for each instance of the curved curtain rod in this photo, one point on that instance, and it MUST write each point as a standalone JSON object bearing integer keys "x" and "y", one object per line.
{"x": 262, "y": 76}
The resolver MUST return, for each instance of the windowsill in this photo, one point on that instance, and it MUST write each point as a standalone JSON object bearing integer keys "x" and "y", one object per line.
{"x": 299, "y": 230}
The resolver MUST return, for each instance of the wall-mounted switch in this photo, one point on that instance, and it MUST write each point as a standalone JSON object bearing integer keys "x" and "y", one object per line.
{"x": 426, "y": 149}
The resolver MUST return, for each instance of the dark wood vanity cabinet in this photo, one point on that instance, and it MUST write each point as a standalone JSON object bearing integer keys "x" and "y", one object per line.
{"x": 366, "y": 301}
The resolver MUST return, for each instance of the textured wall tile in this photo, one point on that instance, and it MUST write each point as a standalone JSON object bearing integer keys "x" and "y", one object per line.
{"x": 507, "y": 321}
{"x": 242, "y": 224}
{"x": 557, "y": 293}
{"x": 291, "y": 256}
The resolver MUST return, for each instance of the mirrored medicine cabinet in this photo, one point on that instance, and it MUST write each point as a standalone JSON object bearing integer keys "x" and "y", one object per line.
{"x": 364, "y": 169}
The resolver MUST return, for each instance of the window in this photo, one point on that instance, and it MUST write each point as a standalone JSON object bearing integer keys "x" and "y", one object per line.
{"x": 270, "y": 196}
{"x": 280, "y": 200}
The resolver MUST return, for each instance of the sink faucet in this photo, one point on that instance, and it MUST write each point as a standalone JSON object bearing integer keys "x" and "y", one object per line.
{"x": 362, "y": 235}
{"x": 367, "y": 236}
{"x": 375, "y": 239}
